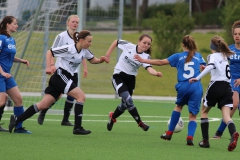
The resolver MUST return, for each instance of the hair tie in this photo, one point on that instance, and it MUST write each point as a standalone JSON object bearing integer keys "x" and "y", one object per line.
{"x": 213, "y": 46}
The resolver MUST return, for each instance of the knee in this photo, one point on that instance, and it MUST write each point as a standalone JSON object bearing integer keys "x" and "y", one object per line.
{"x": 81, "y": 97}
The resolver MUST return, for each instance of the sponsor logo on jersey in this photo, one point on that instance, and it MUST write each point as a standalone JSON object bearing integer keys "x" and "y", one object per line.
{"x": 11, "y": 46}
{"x": 73, "y": 58}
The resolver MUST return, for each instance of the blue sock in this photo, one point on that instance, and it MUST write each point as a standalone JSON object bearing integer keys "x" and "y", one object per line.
{"x": 18, "y": 111}
{"x": 222, "y": 126}
{"x": 174, "y": 120}
{"x": 192, "y": 125}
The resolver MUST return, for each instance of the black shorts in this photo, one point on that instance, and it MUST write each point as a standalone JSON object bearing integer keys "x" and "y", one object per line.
{"x": 61, "y": 82}
{"x": 218, "y": 92}
{"x": 123, "y": 82}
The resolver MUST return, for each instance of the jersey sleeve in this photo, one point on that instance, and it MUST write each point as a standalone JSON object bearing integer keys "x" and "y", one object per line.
{"x": 60, "y": 51}
{"x": 201, "y": 60}
{"x": 88, "y": 54}
{"x": 57, "y": 42}
{"x": 146, "y": 65}
{"x": 173, "y": 60}
{"x": 123, "y": 44}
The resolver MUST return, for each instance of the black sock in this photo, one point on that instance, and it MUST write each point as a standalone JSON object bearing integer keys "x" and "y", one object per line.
{"x": 28, "y": 113}
{"x": 67, "y": 110}
{"x": 204, "y": 128}
{"x": 135, "y": 115}
{"x": 1, "y": 111}
{"x": 45, "y": 110}
{"x": 231, "y": 127}
{"x": 78, "y": 110}
{"x": 117, "y": 113}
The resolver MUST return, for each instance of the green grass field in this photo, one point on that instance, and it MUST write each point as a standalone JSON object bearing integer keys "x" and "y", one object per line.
{"x": 126, "y": 140}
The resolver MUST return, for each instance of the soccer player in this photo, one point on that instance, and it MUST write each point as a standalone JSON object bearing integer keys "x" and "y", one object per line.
{"x": 235, "y": 75}
{"x": 7, "y": 83}
{"x": 188, "y": 64}
{"x": 65, "y": 38}
{"x": 219, "y": 90}
{"x": 61, "y": 82}
{"x": 124, "y": 76}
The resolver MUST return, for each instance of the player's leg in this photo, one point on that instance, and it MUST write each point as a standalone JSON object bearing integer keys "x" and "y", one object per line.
{"x": 67, "y": 111}
{"x": 80, "y": 97}
{"x": 30, "y": 111}
{"x": 204, "y": 127}
{"x": 3, "y": 98}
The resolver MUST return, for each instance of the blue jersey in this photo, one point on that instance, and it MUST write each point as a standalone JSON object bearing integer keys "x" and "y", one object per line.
{"x": 186, "y": 70}
{"x": 7, "y": 52}
{"x": 234, "y": 62}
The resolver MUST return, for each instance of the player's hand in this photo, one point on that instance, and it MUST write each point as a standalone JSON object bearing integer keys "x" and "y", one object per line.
{"x": 50, "y": 70}
{"x": 103, "y": 59}
{"x": 25, "y": 62}
{"x": 202, "y": 67}
{"x": 85, "y": 73}
{"x": 107, "y": 59}
{"x": 193, "y": 80}
{"x": 6, "y": 75}
{"x": 236, "y": 82}
{"x": 137, "y": 57}
{"x": 159, "y": 74}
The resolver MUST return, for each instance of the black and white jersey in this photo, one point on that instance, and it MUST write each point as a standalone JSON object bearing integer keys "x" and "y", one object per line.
{"x": 70, "y": 58}
{"x": 62, "y": 39}
{"x": 126, "y": 62}
{"x": 219, "y": 67}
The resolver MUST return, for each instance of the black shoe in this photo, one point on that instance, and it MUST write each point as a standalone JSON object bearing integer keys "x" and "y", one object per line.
{"x": 190, "y": 141}
{"x": 41, "y": 117}
{"x": 111, "y": 121}
{"x": 144, "y": 126}
{"x": 233, "y": 142}
{"x": 66, "y": 123}
{"x": 12, "y": 123}
{"x": 81, "y": 131}
{"x": 204, "y": 144}
{"x": 166, "y": 136}
{"x": 2, "y": 129}
{"x": 22, "y": 130}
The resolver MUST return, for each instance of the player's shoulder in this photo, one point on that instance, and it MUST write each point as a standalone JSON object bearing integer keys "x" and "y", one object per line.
{"x": 232, "y": 46}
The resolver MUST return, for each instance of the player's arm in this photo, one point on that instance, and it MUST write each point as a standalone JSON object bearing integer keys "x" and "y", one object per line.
{"x": 85, "y": 71}
{"x": 50, "y": 67}
{"x": 203, "y": 73}
{"x": 110, "y": 49}
{"x": 19, "y": 60}
{"x": 4, "y": 74}
{"x": 95, "y": 60}
{"x": 154, "y": 72}
{"x": 158, "y": 62}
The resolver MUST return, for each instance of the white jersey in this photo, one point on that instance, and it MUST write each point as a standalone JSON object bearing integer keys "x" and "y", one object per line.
{"x": 126, "y": 62}
{"x": 70, "y": 58}
{"x": 62, "y": 39}
{"x": 219, "y": 67}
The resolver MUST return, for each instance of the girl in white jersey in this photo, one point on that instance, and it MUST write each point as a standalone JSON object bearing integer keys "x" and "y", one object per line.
{"x": 219, "y": 91}
{"x": 61, "y": 82}
{"x": 123, "y": 79}
{"x": 66, "y": 38}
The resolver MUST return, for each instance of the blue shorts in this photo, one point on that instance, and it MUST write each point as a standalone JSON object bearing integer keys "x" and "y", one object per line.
{"x": 6, "y": 83}
{"x": 237, "y": 89}
{"x": 189, "y": 94}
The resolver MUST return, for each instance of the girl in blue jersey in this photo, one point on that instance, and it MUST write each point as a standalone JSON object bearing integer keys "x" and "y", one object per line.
{"x": 235, "y": 74}
{"x": 188, "y": 64}
{"x": 7, "y": 83}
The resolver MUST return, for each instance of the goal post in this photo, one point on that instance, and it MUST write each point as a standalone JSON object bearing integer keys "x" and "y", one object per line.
{"x": 40, "y": 21}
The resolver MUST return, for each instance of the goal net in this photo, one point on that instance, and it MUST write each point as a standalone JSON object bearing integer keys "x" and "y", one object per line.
{"x": 39, "y": 22}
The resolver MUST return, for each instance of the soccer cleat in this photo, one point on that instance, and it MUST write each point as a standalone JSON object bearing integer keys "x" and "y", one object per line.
{"x": 3, "y": 129}
{"x": 167, "y": 135}
{"x": 143, "y": 126}
{"x": 41, "y": 117}
{"x": 22, "y": 130}
{"x": 190, "y": 141}
{"x": 111, "y": 121}
{"x": 217, "y": 135}
{"x": 66, "y": 123}
{"x": 233, "y": 142}
{"x": 204, "y": 144}
{"x": 12, "y": 123}
{"x": 81, "y": 131}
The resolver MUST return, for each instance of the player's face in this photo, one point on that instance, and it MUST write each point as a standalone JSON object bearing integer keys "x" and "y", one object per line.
{"x": 12, "y": 27}
{"x": 236, "y": 35}
{"x": 144, "y": 44}
{"x": 87, "y": 42}
{"x": 73, "y": 23}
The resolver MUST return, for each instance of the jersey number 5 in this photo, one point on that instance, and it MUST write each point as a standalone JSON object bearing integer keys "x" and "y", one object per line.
{"x": 188, "y": 67}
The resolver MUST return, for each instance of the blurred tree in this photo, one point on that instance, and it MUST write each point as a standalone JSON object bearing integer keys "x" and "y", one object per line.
{"x": 170, "y": 29}
{"x": 229, "y": 16}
